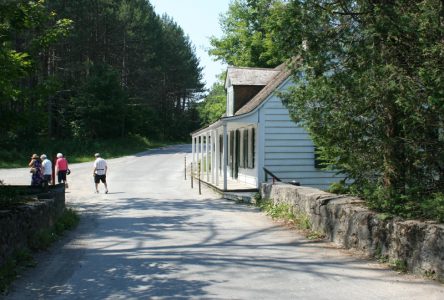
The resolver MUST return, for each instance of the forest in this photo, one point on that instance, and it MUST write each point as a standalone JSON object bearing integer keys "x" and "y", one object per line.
{"x": 76, "y": 71}
{"x": 369, "y": 88}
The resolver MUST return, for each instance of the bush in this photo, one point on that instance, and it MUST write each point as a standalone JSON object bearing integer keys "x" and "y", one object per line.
{"x": 413, "y": 203}
{"x": 44, "y": 238}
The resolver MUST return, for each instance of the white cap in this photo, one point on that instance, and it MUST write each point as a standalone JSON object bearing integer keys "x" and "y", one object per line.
{"x": 59, "y": 155}
{"x": 43, "y": 156}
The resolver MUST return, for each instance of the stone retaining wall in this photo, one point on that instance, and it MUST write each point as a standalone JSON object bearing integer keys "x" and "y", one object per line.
{"x": 18, "y": 225}
{"x": 346, "y": 221}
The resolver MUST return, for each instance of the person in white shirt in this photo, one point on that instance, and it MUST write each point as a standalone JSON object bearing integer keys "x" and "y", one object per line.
{"x": 47, "y": 168}
{"x": 99, "y": 173}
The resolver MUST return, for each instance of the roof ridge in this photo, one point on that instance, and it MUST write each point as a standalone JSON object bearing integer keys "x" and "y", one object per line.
{"x": 253, "y": 68}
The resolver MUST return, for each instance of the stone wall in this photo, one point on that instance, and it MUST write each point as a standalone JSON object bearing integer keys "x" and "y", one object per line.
{"x": 346, "y": 221}
{"x": 19, "y": 224}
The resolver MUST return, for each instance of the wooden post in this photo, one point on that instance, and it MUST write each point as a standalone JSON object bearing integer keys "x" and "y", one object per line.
{"x": 200, "y": 191}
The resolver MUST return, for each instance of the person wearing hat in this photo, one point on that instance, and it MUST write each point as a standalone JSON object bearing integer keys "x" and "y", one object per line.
{"x": 99, "y": 172}
{"x": 47, "y": 168}
{"x": 61, "y": 167}
{"x": 36, "y": 170}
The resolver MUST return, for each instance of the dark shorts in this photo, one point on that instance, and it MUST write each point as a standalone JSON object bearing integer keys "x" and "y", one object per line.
{"x": 47, "y": 178}
{"x": 98, "y": 178}
{"x": 61, "y": 176}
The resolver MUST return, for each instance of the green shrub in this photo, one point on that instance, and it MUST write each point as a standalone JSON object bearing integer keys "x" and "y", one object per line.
{"x": 433, "y": 207}
{"x": 9, "y": 271}
{"x": 44, "y": 238}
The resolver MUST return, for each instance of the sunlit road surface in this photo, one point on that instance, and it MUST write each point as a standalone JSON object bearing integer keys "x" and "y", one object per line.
{"x": 153, "y": 237}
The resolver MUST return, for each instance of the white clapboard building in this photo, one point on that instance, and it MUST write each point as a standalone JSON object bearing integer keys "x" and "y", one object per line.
{"x": 256, "y": 135}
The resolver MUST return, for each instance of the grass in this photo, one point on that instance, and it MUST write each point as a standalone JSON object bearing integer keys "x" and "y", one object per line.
{"x": 76, "y": 150}
{"x": 289, "y": 215}
{"x": 43, "y": 239}
{"x": 14, "y": 265}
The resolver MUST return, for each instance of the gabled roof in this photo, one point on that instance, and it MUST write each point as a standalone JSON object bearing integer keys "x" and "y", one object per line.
{"x": 250, "y": 76}
{"x": 282, "y": 72}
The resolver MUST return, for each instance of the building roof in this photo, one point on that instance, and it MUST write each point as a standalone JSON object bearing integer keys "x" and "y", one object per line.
{"x": 282, "y": 72}
{"x": 250, "y": 76}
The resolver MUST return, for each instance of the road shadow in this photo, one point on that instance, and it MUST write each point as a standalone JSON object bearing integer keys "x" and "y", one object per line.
{"x": 156, "y": 253}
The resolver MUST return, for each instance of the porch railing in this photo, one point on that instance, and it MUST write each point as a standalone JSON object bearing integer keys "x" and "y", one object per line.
{"x": 275, "y": 178}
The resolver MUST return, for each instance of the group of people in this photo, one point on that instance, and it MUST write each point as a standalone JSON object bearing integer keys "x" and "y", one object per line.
{"x": 41, "y": 170}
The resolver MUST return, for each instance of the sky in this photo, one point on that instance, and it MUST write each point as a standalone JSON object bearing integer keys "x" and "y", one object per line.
{"x": 199, "y": 19}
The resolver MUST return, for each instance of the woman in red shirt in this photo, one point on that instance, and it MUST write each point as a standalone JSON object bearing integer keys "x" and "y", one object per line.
{"x": 61, "y": 167}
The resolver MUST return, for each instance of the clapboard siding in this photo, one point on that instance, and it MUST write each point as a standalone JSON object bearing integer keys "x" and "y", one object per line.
{"x": 293, "y": 162}
{"x": 288, "y": 156}
{"x": 277, "y": 111}
{"x": 291, "y": 130}
{"x": 277, "y": 117}
{"x": 287, "y": 142}
{"x": 300, "y": 149}
{"x": 298, "y": 166}
{"x": 288, "y": 148}
{"x": 280, "y": 124}
{"x": 292, "y": 136}
{"x": 296, "y": 174}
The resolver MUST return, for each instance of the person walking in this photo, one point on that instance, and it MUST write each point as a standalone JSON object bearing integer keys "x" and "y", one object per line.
{"x": 99, "y": 173}
{"x": 61, "y": 167}
{"x": 36, "y": 170}
{"x": 47, "y": 169}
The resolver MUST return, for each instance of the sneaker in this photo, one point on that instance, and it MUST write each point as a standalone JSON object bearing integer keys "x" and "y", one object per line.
{"x": 97, "y": 191}
{"x": 66, "y": 185}
{"x": 106, "y": 192}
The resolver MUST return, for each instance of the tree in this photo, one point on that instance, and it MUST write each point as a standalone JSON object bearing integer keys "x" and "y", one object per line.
{"x": 99, "y": 108}
{"x": 27, "y": 31}
{"x": 248, "y": 39}
{"x": 371, "y": 91}
{"x": 214, "y": 105}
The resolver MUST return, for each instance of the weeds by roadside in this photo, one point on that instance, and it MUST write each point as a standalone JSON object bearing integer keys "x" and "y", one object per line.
{"x": 43, "y": 239}
{"x": 14, "y": 265}
{"x": 289, "y": 215}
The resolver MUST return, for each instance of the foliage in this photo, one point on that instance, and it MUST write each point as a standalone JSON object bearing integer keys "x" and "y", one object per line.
{"x": 214, "y": 105}
{"x": 289, "y": 215}
{"x": 94, "y": 69}
{"x": 370, "y": 93}
{"x": 99, "y": 107}
{"x": 248, "y": 39}
{"x": 40, "y": 241}
{"x": 10, "y": 270}
{"x": 44, "y": 238}
{"x": 26, "y": 30}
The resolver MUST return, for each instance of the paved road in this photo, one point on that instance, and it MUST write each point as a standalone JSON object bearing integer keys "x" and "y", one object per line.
{"x": 152, "y": 237}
